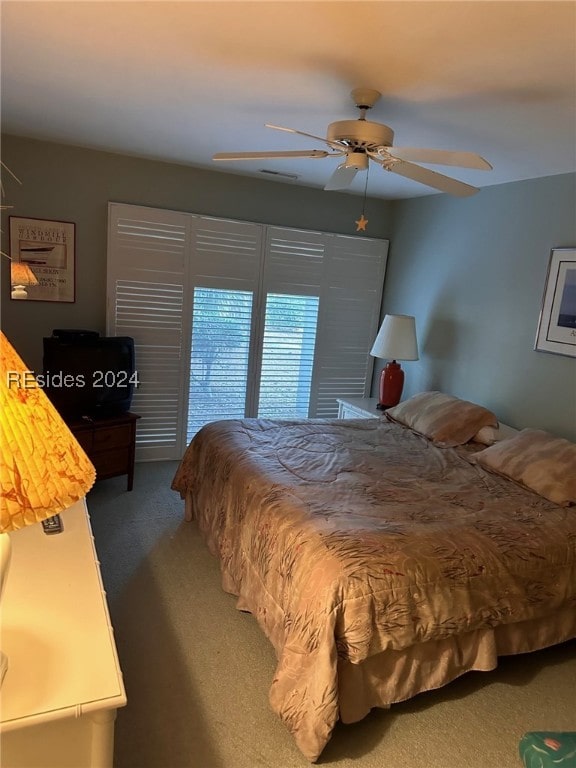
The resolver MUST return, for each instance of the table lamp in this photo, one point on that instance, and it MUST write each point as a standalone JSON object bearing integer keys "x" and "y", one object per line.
{"x": 396, "y": 340}
{"x": 21, "y": 276}
{"x": 43, "y": 469}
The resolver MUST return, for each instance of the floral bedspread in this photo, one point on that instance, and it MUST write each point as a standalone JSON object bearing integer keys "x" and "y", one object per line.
{"x": 347, "y": 538}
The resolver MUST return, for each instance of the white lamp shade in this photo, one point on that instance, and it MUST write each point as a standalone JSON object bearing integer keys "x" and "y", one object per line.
{"x": 396, "y": 339}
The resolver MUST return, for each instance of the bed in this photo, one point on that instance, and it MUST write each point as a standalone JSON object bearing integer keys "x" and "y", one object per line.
{"x": 386, "y": 557}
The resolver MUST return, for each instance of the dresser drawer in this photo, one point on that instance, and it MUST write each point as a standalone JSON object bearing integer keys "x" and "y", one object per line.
{"x": 112, "y": 437}
{"x": 85, "y": 437}
{"x": 111, "y": 462}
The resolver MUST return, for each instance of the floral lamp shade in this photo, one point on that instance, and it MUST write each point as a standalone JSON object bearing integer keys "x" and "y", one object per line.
{"x": 43, "y": 469}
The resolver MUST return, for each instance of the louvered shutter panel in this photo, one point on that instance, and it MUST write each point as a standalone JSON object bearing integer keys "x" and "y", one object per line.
{"x": 294, "y": 261}
{"x": 145, "y": 285}
{"x": 354, "y": 269}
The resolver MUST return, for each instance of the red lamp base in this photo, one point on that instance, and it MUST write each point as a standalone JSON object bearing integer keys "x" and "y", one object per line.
{"x": 391, "y": 385}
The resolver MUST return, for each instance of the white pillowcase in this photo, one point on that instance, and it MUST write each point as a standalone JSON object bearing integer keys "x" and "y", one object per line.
{"x": 491, "y": 435}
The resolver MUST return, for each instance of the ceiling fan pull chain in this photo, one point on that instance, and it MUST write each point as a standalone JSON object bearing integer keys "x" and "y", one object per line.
{"x": 362, "y": 222}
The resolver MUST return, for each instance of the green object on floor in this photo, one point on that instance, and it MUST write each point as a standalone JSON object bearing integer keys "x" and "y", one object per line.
{"x": 548, "y": 749}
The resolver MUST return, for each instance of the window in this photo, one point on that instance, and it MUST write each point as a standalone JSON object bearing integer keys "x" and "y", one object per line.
{"x": 221, "y": 322}
{"x": 287, "y": 356}
{"x": 234, "y": 319}
{"x": 220, "y": 358}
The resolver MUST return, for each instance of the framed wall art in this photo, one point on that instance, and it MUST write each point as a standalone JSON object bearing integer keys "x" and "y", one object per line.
{"x": 46, "y": 249}
{"x": 557, "y": 323}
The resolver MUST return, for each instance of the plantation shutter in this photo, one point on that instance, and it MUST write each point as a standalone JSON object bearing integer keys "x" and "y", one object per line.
{"x": 350, "y": 301}
{"x": 234, "y": 319}
{"x": 148, "y": 260}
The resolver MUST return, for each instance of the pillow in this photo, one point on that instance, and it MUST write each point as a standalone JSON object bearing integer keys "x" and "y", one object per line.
{"x": 491, "y": 435}
{"x": 444, "y": 419}
{"x": 537, "y": 460}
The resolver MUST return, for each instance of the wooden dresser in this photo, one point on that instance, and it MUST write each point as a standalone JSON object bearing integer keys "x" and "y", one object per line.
{"x": 109, "y": 443}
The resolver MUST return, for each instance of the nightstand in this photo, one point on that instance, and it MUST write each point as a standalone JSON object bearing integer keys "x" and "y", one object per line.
{"x": 110, "y": 444}
{"x": 358, "y": 408}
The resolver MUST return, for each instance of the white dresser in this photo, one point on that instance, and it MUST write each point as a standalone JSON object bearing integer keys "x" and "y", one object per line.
{"x": 63, "y": 685}
{"x": 359, "y": 408}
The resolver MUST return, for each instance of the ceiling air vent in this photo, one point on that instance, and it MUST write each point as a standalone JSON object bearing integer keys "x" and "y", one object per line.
{"x": 280, "y": 175}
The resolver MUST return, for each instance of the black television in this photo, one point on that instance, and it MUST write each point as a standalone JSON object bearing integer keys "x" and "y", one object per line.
{"x": 88, "y": 375}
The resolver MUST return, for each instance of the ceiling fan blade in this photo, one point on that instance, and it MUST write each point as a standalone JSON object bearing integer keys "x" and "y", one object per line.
{"x": 438, "y": 157}
{"x": 431, "y": 178}
{"x": 342, "y": 177}
{"x": 264, "y": 155}
{"x": 334, "y": 144}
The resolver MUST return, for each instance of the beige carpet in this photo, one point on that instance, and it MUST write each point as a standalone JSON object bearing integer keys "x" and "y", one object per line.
{"x": 197, "y": 671}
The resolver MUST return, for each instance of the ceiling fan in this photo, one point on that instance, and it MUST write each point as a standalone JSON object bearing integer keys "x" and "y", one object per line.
{"x": 360, "y": 141}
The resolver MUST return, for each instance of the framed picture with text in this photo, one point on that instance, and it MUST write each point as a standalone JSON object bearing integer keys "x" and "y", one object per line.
{"x": 557, "y": 323}
{"x": 42, "y": 254}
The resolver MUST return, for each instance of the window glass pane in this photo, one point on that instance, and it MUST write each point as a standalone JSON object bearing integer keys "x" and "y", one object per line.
{"x": 221, "y": 322}
{"x": 287, "y": 356}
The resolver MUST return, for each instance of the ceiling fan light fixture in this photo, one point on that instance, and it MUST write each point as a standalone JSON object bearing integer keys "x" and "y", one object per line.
{"x": 358, "y": 160}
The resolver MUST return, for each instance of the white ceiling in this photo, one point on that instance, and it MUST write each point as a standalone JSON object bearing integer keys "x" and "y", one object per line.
{"x": 179, "y": 81}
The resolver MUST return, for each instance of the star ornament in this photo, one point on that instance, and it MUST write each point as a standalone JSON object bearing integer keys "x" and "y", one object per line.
{"x": 361, "y": 223}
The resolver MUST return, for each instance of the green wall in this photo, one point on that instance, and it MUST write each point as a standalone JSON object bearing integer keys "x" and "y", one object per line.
{"x": 73, "y": 184}
{"x": 472, "y": 271}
